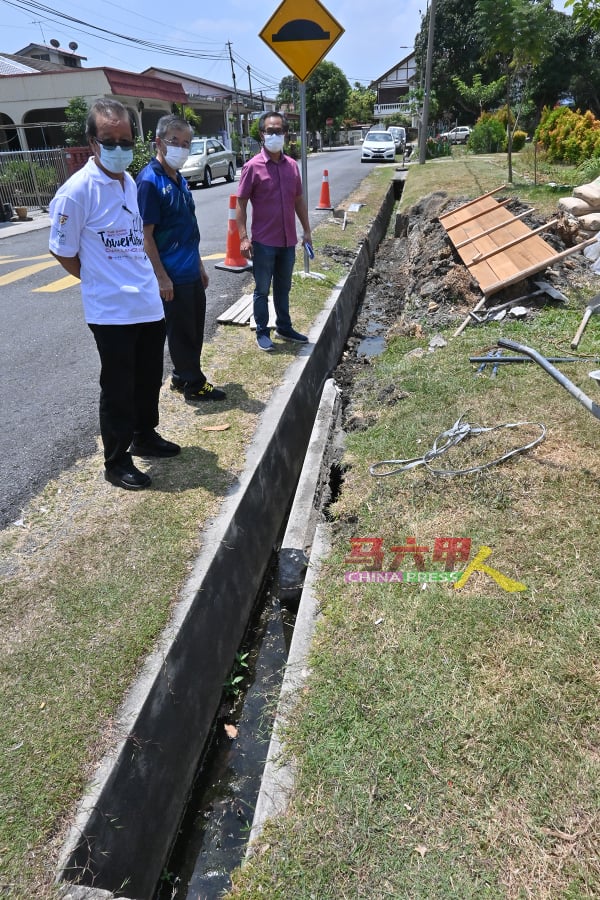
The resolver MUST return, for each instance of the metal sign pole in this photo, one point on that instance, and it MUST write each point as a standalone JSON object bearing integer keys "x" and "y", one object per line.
{"x": 303, "y": 160}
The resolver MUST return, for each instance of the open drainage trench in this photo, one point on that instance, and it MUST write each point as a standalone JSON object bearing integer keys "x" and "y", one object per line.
{"x": 181, "y": 780}
{"x": 213, "y": 836}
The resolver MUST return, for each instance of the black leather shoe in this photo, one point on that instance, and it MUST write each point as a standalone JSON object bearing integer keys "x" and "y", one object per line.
{"x": 152, "y": 444}
{"x": 127, "y": 476}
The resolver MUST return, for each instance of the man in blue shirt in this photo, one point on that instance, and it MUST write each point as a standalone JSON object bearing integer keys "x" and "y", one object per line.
{"x": 172, "y": 242}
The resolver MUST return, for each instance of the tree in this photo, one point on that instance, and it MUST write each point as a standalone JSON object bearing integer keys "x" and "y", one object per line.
{"x": 327, "y": 92}
{"x": 359, "y": 106}
{"x": 586, "y": 13}
{"x": 289, "y": 93}
{"x": 479, "y": 93}
{"x": 572, "y": 67}
{"x": 191, "y": 117}
{"x": 456, "y": 51}
{"x": 76, "y": 113}
{"x": 515, "y": 34}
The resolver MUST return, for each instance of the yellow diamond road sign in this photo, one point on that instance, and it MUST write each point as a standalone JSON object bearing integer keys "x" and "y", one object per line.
{"x": 301, "y": 32}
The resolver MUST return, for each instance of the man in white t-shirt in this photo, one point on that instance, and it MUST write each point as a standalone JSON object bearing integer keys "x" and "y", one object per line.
{"x": 97, "y": 235}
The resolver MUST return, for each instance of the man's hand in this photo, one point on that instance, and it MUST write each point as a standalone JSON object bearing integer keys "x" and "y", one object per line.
{"x": 165, "y": 286}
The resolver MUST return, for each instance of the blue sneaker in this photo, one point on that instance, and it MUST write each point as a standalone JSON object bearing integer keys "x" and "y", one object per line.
{"x": 292, "y": 335}
{"x": 265, "y": 342}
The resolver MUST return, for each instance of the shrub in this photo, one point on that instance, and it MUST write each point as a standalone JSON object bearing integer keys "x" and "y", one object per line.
{"x": 518, "y": 141}
{"x": 588, "y": 170}
{"x": 143, "y": 152}
{"x": 488, "y": 135}
{"x": 568, "y": 135}
{"x": 436, "y": 147}
{"x": 23, "y": 182}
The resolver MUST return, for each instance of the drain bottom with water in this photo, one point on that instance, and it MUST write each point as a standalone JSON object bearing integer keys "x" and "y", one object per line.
{"x": 215, "y": 829}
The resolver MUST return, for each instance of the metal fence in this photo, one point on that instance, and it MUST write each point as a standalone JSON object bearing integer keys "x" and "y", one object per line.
{"x": 30, "y": 178}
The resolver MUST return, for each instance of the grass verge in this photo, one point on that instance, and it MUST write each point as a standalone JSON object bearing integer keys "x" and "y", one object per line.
{"x": 447, "y": 745}
{"x": 90, "y": 575}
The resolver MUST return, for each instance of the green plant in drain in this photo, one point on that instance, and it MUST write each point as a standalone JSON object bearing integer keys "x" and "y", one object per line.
{"x": 239, "y": 671}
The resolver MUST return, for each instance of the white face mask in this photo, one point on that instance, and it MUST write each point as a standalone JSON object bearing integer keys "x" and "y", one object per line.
{"x": 274, "y": 142}
{"x": 176, "y": 156}
{"x": 115, "y": 160}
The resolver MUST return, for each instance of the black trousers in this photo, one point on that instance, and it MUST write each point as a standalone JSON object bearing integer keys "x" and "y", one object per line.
{"x": 185, "y": 315}
{"x": 131, "y": 358}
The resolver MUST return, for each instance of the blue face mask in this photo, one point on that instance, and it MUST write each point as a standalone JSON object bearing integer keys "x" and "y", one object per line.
{"x": 115, "y": 159}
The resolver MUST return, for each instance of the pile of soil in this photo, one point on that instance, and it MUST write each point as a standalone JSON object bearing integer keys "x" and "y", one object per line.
{"x": 419, "y": 285}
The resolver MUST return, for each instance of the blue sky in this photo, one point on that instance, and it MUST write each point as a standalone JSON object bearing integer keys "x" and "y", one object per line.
{"x": 377, "y": 34}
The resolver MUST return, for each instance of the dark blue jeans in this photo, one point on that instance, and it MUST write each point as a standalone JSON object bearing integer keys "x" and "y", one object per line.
{"x": 131, "y": 358}
{"x": 272, "y": 264}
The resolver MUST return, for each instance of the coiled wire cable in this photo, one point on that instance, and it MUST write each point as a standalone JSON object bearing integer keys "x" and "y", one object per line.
{"x": 450, "y": 438}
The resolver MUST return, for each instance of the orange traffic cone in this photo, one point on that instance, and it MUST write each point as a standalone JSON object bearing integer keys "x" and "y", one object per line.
{"x": 234, "y": 261}
{"x": 324, "y": 201}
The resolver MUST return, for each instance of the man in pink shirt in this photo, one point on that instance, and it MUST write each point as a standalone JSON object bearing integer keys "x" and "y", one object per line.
{"x": 271, "y": 182}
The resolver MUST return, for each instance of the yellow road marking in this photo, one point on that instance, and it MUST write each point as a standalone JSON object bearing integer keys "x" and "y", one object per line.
{"x": 17, "y": 275}
{"x": 53, "y": 286}
{"x": 20, "y": 259}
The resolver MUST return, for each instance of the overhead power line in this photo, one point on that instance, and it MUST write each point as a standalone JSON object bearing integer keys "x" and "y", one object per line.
{"x": 59, "y": 17}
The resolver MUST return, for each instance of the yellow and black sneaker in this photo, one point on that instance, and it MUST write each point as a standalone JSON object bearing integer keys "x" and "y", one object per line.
{"x": 206, "y": 392}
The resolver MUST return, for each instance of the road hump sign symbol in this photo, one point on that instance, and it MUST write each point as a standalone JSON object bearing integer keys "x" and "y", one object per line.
{"x": 301, "y": 33}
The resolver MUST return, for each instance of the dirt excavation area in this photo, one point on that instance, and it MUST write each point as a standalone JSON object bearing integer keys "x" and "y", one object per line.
{"x": 419, "y": 285}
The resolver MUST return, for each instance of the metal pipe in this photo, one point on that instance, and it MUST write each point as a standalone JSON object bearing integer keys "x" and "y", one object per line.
{"x": 524, "y": 359}
{"x": 589, "y": 404}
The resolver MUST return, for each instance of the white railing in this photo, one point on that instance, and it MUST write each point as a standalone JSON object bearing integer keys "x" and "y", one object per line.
{"x": 391, "y": 109}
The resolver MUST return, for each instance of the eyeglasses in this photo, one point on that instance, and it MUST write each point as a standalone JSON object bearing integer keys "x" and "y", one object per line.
{"x": 174, "y": 142}
{"x": 112, "y": 145}
{"x": 274, "y": 131}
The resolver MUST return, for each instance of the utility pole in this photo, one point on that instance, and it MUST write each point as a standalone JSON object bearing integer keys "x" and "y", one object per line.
{"x": 428, "y": 67}
{"x": 250, "y": 85}
{"x": 237, "y": 108}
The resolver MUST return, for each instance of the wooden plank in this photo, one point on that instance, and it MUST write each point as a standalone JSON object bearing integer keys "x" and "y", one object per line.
{"x": 503, "y": 248}
{"x": 477, "y": 213}
{"x": 471, "y": 202}
{"x": 493, "y": 228}
{"x": 229, "y": 314}
{"x": 526, "y": 273}
{"x": 472, "y": 231}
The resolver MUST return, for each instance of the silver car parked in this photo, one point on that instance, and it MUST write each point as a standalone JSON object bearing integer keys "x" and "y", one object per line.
{"x": 208, "y": 160}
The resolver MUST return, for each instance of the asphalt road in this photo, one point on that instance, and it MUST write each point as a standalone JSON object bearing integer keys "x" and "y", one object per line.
{"x": 49, "y": 383}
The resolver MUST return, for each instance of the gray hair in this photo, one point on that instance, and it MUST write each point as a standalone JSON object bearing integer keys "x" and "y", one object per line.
{"x": 177, "y": 123}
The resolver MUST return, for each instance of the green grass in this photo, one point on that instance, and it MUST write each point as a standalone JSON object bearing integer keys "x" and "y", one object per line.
{"x": 91, "y": 574}
{"x": 447, "y": 745}
{"x": 470, "y": 176}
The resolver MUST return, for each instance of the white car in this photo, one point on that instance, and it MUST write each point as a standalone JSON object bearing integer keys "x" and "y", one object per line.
{"x": 378, "y": 146}
{"x": 458, "y": 135}
{"x": 399, "y": 135}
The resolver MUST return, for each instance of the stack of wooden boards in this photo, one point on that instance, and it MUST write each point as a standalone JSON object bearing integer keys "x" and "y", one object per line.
{"x": 496, "y": 246}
